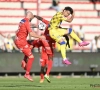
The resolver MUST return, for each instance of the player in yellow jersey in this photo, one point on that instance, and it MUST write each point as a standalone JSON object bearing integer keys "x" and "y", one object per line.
{"x": 57, "y": 33}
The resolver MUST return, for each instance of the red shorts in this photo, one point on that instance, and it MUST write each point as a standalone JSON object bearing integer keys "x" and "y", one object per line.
{"x": 24, "y": 47}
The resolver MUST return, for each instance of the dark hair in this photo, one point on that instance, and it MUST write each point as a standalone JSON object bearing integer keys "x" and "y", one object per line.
{"x": 69, "y": 9}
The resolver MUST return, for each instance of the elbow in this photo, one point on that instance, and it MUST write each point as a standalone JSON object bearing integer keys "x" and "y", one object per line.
{"x": 30, "y": 33}
{"x": 70, "y": 21}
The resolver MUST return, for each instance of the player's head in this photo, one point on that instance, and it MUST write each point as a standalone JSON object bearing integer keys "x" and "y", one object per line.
{"x": 29, "y": 15}
{"x": 67, "y": 11}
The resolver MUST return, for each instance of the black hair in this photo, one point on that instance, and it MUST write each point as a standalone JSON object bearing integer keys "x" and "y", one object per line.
{"x": 69, "y": 9}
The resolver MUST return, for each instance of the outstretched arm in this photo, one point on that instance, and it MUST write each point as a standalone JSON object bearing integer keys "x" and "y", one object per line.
{"x": 34, "y": 26}
{"x": 42, "y": 19}
{"x": 38, "y": 17}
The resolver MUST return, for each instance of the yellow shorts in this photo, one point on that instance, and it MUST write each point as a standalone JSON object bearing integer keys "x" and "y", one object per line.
{"x": 57, "y": 33}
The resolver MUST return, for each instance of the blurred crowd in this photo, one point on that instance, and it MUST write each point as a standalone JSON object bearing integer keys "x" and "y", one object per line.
{"x": 7, "y": 44}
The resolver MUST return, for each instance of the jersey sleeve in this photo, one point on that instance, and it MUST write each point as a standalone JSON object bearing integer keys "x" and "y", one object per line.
{"x": 45, "y": 21}
{"x": 28, "y": 27}
{"x": 63, "y": 18}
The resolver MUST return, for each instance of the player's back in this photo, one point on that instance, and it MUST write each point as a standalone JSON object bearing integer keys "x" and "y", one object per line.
{"x": 22, "y": 31}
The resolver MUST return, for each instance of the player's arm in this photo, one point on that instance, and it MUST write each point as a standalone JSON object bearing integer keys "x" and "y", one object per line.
{"x": 71, "y": 18}
{"x": 34, "y": 26}
{"x": 42, "y": 19}
{"x": 31, "y": 33}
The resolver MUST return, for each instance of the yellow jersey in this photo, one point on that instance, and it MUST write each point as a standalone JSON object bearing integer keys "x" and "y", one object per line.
{"x": 57, "y": 20}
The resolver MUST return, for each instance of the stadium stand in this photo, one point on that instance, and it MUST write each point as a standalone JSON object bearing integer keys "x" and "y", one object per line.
{"x": 12, "y": 11}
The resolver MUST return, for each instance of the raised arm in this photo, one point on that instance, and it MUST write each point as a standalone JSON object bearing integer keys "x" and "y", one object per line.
{"x": 42, "y": 19}
{"x": 38, "y": 17}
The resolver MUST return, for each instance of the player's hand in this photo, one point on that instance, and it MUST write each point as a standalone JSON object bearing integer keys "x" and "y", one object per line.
{"x": 42, "y": 37}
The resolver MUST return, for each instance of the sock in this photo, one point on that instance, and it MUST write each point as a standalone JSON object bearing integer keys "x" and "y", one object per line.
{"x": 25, "y": 58}
{"x": 29, "y": 65}
{"x": 42, "y": 75}
{"x": 49, "y": 67}
{"x": 74, "y": 36}
{"x": 42, "y": 72}
{"x": 63, "y": 51}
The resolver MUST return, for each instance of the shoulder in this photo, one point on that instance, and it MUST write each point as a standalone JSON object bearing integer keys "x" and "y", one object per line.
{"x": 58, "y": 14}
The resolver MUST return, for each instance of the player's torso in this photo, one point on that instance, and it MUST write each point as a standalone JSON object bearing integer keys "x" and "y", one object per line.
{"x": 56, "y": 20}
{"x": 22, "y": 32}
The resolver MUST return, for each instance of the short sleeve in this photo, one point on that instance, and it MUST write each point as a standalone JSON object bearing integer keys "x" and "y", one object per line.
{"x": 63, "y": 18}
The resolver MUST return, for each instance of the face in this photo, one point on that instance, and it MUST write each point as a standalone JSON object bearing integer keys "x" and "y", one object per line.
{"x": 66, "y": 13}
{"x": 31, "y": 17}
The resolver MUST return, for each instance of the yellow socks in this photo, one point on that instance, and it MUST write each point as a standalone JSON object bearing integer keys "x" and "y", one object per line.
{"x": 63, "y": 51}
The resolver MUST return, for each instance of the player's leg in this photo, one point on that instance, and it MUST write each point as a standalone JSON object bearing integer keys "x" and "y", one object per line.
{"x": 71, "y": 32}
{"x": 28, "y": 53}
{"x": 47, "y": 45}
{"x": 56, "y": 35}
{"x": 58, "y": 48}
{"x": 43, "y": 63}
{"x": 50, "y": 63}
{"x": 24, "y": 61}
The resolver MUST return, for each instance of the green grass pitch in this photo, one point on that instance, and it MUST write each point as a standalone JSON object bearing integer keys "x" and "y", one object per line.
{"x": 16, "y": 83}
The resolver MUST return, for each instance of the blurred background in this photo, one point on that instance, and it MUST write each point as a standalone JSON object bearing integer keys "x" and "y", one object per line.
{"x": 85, "y": 60}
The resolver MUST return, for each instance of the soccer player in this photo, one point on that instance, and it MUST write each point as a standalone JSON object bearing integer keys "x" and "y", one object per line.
{"x": 21, "y": 42}
{"x": 46, "y": 54}
{"x": 56, "y": 33}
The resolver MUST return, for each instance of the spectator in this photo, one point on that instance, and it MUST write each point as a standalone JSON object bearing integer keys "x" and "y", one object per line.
{"x": 55, "y": 5}
{"x": 81, "y": 34}
{"x": 2, "y": 46}
{"x": 9, "y": 44}
{"x": 94, "y": 44}
{"x": 98, "y": 44}
{"x": 94, "y": 1}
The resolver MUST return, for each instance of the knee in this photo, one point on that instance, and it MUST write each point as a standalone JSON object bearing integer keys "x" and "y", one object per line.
{"x": 50, "y": 57}
{"x": 70, "y": 30}
{"x": 61, "y": 39}
{"x": 31, "y": 56}
{"x": 62, "y": 42}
